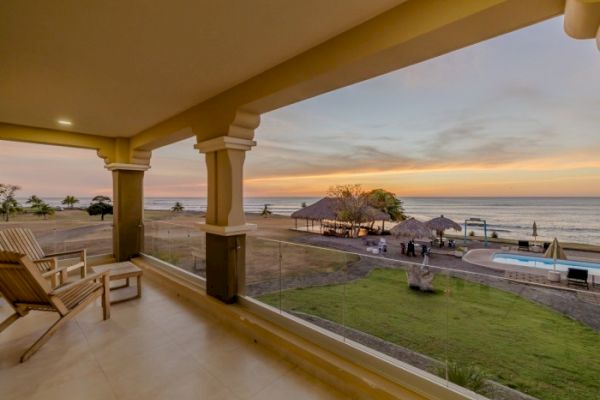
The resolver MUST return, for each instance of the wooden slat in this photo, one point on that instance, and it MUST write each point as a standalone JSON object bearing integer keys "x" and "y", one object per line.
{"x": 24, "y": 287}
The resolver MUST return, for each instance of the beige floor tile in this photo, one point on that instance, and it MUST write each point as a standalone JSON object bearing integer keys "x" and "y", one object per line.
{"x": 144, "y": 374}
{"x": 157, "y": 347}
{"x": 247, "y": 369}
{"x": 298, "y": 385}
{"x": 89, "y": 387}
{"x": 192, "y": 386}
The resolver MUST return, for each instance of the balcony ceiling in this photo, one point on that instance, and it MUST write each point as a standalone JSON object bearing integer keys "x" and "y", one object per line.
{"x": 117, "y": 67}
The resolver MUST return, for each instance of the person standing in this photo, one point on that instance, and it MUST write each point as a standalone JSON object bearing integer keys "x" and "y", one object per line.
{"x": 411, "y": 249}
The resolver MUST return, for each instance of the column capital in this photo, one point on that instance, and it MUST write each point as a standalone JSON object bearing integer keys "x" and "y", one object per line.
{"x": 225, "y": 143}
{"x": 126, "y": 167}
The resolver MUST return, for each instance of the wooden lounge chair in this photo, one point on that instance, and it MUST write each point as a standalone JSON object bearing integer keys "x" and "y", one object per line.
{"x": 25, "y": 289}
{"x": 23, "y": 241}
{"x": 578, "y": 277}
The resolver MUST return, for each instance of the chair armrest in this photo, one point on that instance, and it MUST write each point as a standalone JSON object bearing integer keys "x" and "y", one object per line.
{"x": 65, "y": 253}
{"x": 53, "y": 260}
{"x": 69, "y": 286}
{"x": 55, "y": 271}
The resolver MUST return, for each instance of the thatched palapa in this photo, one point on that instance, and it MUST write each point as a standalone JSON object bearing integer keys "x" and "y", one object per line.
{"x": 440, "y": 224}
{"x": 411, "y": 228}
{"x": 321, "y": 210}
{"x": 326, "y": 209}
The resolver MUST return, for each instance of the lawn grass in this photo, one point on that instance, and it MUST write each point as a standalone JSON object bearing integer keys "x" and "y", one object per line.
{"x": 515, "y": 341}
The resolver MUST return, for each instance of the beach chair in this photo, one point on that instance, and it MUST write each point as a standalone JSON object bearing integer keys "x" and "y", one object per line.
{"x": 524, "y": 245}
{"x": 578, "y": 277}
{"x": 25, "y": 289}
{"x": 23, "y": 241}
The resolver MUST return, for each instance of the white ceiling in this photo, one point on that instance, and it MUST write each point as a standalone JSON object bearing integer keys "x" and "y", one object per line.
{"x": 116, "y": 67}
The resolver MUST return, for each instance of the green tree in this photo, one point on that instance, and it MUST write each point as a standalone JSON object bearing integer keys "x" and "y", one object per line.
{"x": 70, "y": 201}
{"x": 100, "y": 206}
{"x": 178, "y": 207}
{"x": 8, "y": 203}
{"x": 352, "y": 204}
{"x": 34, "y": 201}
{"x": 43, "y": 210}
{"x": 387, "y": 202}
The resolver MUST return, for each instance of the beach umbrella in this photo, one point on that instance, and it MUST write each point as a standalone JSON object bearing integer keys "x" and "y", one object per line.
{"x": 555, "y": 252}
{"x": 440, "y": 224}
{"x": 534, "y": 233}
{"x": 411, "y": 228}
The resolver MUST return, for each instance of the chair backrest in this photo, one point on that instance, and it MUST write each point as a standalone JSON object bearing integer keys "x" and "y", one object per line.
{"x": 577, "y": 273}
{"x": 23, "y": 241}
{"x": 20, "y": 281}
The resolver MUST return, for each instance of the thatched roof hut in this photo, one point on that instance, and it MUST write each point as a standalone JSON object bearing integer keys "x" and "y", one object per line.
{"x": 326, "y": 209}
{"x": 377, "y": 215}
{"x": 411, "y": 228}
{"x": 322, "y": 209}
{"x": 442, "y": 223}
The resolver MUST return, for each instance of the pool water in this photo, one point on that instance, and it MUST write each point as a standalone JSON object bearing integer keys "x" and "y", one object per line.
{"x": 546, "y": 263}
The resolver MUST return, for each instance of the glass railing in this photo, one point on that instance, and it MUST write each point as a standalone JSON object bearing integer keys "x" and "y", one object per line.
{"x": 55, "y": 236}
{"x": 498, "y": 337}
{"x": 179, "y": 244}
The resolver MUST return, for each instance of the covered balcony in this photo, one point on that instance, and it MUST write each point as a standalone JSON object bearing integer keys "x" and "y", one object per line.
{"x": 124, "y": 80}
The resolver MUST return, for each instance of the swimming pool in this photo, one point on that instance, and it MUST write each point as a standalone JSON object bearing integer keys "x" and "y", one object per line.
{"x": 546, "y": 263}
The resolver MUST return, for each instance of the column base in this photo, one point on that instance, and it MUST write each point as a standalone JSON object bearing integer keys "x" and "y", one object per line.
{"x": 225, "y": 259}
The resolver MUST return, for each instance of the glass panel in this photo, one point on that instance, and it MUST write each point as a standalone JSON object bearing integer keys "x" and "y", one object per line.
{"x": 181, "y": 245}
{"x": 314, "y": 284}
{"x": 59, "y": 233}
{"x": 263, "y": 269}
{"x": 505, "y": 332}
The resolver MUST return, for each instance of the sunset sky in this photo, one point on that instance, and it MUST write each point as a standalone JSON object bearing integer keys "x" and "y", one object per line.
{"x": 518, "y": 115}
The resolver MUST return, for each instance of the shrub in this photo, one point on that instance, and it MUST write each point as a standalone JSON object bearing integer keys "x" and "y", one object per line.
{"x": 467, "y": 376}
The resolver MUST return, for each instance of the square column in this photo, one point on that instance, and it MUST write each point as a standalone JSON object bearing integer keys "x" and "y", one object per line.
{"x": 225, "y": 225}
{"x": 128, "y": 209}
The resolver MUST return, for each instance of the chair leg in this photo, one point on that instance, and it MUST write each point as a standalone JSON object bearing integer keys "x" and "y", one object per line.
{"x": 64, "y": 276}
{"x": 52, "y": 330}
{"x": 53, "y": 281}
{"x": 44, "y": 338}
{"x": 8, "y": 321}
{"x": 106, "y": 297}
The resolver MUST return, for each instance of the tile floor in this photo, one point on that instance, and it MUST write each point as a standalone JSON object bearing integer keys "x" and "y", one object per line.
{"x": 157, "y": 347}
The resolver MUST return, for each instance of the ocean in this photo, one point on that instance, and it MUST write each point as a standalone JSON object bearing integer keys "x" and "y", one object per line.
{"x": 570, "y": 219}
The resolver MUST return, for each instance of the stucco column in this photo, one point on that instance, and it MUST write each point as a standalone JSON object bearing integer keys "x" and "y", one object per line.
{"x": 225, "y": 225}
{"x": 128, "y": 213}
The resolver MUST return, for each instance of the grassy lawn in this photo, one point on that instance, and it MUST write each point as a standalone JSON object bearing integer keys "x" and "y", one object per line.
{"x": 516, "y": 342}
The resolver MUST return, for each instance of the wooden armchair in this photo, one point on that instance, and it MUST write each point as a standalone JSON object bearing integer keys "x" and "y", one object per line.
{"x": 25, "y": 289}
{"x": 23, "y": 241}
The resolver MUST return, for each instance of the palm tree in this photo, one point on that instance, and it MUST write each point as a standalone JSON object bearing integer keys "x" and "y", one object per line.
{"x": 43, "y": 209}
{"x": 8, "y": 203}
{"x": 178, "y": 207}
{"x": 34, "y": 201}
{"x": 70, "y": 201}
